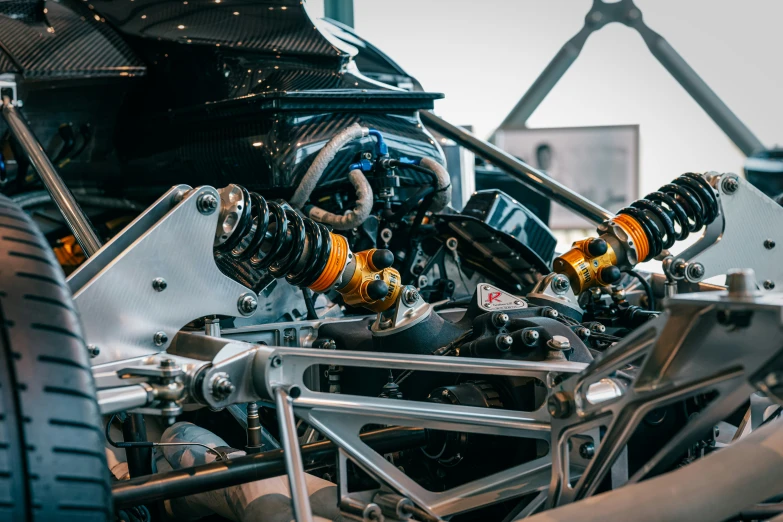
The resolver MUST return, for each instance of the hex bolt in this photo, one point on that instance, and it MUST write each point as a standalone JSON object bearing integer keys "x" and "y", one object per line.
{"x": 769, "y": 285}
{"x": 696, "y": 270}
{"x": 276, "y": 362}
{"x": 769, "y": 244}
{"x": 559, "y": 405}
{"x": 559, "y": 342}
{"x": 530, "y": 337}
{"x": 500, "y": 319}
{"x": 504, "y": 342}
{"x": 167, "y": 363}
{"x": 730, "y": 185}
{"x": 551, "y": 313}
{"x": 587, "y": 450}
{"x": 560, "y": 284}
{"x": 93, "y": 351}
{"x": 160, "y": 338}
{"x": 247, "y": 304}
{"x": 159, "y": 284}
{"x": 207, "y": 203}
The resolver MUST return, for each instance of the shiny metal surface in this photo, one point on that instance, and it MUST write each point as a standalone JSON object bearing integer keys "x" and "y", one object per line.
{"x": 122, "y": 312}
{"x": 702, "y": 344}
{"x": 740, "y": 237}
{"x": 521, "y": 171}
{"x": 77, "y": 220}
{"x": 300, "y": 499}
{"x": 124, "y": 398}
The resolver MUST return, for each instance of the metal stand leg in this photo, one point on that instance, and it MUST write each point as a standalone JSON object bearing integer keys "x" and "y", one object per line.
{"x": 627, "y": 13}
{"x": 300, "y": 499}
{"x": 75, "y": 217}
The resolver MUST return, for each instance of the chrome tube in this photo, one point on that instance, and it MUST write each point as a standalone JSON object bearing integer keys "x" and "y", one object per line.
{"x": 300, "y": 499}
{"x": 75, "y": 217}
{"x": 519, "y": 170}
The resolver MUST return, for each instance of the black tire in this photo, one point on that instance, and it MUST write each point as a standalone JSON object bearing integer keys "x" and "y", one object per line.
{"x": 52, "y": 460}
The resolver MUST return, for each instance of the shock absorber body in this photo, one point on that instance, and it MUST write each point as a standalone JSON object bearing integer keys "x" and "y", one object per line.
{"x": 259, "y": 236}
{"x": 640, "y": 232}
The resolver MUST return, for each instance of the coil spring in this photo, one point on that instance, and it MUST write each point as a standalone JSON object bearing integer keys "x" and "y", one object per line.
{"x": 271, "y": 237}
{"x": 688, "y": 203}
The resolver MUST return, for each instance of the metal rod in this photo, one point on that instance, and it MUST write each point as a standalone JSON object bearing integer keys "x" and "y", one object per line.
{"x": 75, "y": 217}
{"x": 698, "y": 89}
{"x": 134, "y": 429}
{"x": 259, "y": 466}
{"x": 519, "y": 170}
{"x": 300, "y": 498}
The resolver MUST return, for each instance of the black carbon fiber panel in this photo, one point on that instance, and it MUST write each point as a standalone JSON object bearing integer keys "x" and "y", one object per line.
{"x": 272, "y": 26}
{"x": 72, "y": 47}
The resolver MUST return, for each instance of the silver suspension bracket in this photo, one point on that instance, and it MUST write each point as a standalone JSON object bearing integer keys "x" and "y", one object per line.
{"x": 156, "y": 276}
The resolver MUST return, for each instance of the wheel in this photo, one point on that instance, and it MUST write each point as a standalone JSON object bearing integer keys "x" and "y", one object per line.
{"x": 52, "y": 461}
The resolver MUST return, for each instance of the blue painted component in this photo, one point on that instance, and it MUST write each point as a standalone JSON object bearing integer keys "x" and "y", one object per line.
{"x": 364, "y": 165}
{"x": 381, "y": 149}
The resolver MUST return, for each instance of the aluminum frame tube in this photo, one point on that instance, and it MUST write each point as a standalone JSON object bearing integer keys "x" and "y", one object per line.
{"x": 74, "y": 216}
{"x": 519, "y": 170}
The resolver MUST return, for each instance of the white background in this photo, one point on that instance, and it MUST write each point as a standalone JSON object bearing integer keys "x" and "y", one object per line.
{"x": 483, "y": 54}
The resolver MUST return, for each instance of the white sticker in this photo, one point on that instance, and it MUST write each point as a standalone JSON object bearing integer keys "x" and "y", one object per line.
{"x": 491, "y": 298}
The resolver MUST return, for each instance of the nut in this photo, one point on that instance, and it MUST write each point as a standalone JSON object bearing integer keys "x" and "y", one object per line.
{"x": 530, "y": 337}
{"x": 730, "y": 185}
{"x": 207, "y": 203}
{"x": 696, "y": 271}
{"x": 504, "y": 342}
{"x": 247, "y": 304}
{"x": 551, "y": 313}
{"x": 500, "y": 319}
{"x": 222, "y": 387}
{"x": 560, "y": 284}
{"x": 410, "y": 295}
{"x": 559, "y": 405}
{"x": 587, "y": 450}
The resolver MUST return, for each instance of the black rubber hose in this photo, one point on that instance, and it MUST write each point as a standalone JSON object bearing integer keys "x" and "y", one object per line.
{"x": 646, "y": 285}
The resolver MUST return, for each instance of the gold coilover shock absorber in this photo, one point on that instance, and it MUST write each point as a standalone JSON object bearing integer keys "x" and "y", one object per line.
{"x": 255, "y": 235}
{"x": 640, "y": 232}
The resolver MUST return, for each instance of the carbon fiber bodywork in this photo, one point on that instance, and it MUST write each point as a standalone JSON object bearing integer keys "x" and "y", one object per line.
{"x": 199, "y": 92}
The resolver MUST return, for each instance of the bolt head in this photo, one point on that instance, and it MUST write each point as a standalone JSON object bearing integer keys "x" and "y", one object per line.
{"x": 276, "y": 362}
{"x": 222, "y": 387}
{"x": 159, "y": 284}
{"x": 559, "y": 342}
{"x": 160, "y": 338}
{"x": 696, "y": 270}
{"x": 93, "y": 351}
{"x": 552, "y": 313}
{"x": 207, "y": 203}
{"x": 587, "y": 450}
{"x": 247, "y": 304}
{"x": 598, "y": 328}
{"x": 559, "y": 405}
{"x": 769, "y": 285}
{"x": 769, "y": 244}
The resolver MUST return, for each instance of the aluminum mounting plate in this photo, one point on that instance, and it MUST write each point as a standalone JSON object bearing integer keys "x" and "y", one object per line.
{"x": 121, "y": 310}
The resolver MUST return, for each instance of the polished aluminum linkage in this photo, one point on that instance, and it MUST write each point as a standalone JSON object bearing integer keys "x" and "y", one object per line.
{"x": 715, "y": 344}
{"x": 74, "y": 216}
{"x": 259, "y": 373}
